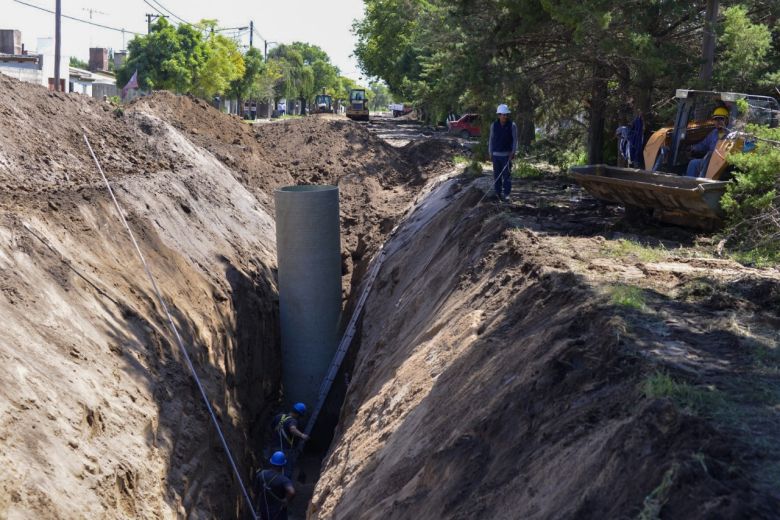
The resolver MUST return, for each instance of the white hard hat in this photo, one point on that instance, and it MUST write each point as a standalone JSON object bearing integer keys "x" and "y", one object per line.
{"x": 502, "y": 109}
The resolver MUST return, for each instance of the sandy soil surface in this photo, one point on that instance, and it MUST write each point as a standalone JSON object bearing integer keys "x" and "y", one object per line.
{"x": 99, "y": 417}
{"x": 516, "y": 361}
{"x": 540, "y": 360}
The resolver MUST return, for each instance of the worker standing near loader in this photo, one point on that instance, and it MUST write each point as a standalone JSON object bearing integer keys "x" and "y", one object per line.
{"x": 286, "y": 433}
{"x": 502, "y": 147}
{"x": 274, "y": 489}
{"x": 697, "y": 167}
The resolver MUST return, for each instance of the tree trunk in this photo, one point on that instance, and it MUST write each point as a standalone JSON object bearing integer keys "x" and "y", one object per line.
{"x": 708, "y": 43}
{"x": 526, "y": 129}
{"x": 598, "y": 104}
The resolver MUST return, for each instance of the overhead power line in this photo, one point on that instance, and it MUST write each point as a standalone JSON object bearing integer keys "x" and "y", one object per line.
{"x": 78, "y": 19}
{"x": 169, "y": 12}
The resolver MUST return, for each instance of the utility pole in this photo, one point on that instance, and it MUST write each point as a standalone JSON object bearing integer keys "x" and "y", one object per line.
{"x": 57, "y": 43}
{"x": 708, "y": 43}
{"x": 251, "y": 32}
{"x": 149, "y": 18}
{"x": 265, "y": 52}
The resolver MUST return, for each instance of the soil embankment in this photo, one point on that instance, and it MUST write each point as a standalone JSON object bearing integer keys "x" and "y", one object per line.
{"x": 503, "y": 373}
{"x": 99, "y": 416}
{"x": 525, "y": 361}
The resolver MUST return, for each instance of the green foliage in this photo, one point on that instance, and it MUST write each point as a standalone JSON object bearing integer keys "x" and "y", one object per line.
{"x": 167, "y": 58}
{"x": 623, "y": 248}
{"x": 459, "y": 159}
{"x": 568, "y": 158}
{"x": 525, "y": 170}
{"x": 697, "y": 399}
{"x": 380, "y": 96}
{"x": 305, "y": 71}
{"x": 77, "y": 63}
{"x": 752, "y": 200}
{"x": 576, "y": 68}
{"x": 223, "y": 64}
{"x": 744, "y": 47}
{"x": 655, "y": 501}
{"x": 627, "y": 296}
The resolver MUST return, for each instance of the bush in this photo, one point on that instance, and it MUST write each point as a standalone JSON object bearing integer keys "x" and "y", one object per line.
{"x": 752, "y": 200}
{"x": 525, "y": 170}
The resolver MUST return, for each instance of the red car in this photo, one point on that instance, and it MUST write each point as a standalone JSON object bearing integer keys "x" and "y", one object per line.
{"x": 465, "y": 127}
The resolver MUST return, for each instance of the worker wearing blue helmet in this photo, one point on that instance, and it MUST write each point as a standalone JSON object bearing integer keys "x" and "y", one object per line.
{"x": 274, "y": 489}
{"x": 287, "y": 434}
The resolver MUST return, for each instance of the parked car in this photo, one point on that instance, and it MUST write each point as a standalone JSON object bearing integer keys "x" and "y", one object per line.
{"x": 465, "y": 127}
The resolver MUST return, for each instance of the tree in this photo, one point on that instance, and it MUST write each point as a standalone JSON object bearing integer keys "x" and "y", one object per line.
{"x": 167, "y": 58}
{"x": 380, "y": 96}
{"x": 744, "y": 48}
{"x": 77, "y": 63}
{"x": 223, "y": 63}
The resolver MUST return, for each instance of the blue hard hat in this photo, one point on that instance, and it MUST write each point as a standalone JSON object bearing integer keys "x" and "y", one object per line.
{"x": 300, "y": 408}
{"x": 278, "y": 459}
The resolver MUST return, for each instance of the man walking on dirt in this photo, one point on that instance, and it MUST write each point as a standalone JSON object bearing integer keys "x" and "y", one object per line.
{"x": 286, "y": 432}
{"x": 502, "y": 147}
{"x": 274, "y": 490}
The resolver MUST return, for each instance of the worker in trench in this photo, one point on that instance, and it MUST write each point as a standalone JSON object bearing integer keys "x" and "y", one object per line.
{"x": 287, "y": 435}
{"x": 274, "y": 489}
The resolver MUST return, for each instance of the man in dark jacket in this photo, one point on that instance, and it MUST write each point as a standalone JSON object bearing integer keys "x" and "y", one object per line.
{"x": 502, "y": 147}
{"x": 274, "y": 490}
{"x": 286, "y": 432}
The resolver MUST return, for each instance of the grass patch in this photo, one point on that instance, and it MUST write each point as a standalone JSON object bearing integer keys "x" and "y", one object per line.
{"x": 705, "y": 401}
{"x": 460, "y": 159}
{"x": 758, "y": 257}
{"x": 627, "y": 296}
{"x": 623, "y": 248}
{"x": 526, "y": 170}
{"x": 656, "y": 500}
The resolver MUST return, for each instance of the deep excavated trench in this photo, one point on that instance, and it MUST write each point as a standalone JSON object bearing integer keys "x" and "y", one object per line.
{"x": 491, "y": 375}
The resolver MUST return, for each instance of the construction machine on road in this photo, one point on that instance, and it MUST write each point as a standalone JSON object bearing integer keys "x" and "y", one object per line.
{"x": 323, "y": 104}
{"x": 357, "y": 109}
{"x": 660, "y": 188}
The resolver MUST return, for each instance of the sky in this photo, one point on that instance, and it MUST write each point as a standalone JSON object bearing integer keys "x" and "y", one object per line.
{"x": 323, "y": 23}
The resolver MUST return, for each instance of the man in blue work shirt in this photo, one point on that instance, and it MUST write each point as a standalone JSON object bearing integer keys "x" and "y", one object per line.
{"x": 697, "y": 167}
{"x": 502, "y": 147}
{"x": 274, "y": 490}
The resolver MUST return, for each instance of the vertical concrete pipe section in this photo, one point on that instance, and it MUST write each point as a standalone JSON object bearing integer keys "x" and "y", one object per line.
{"x": 309, "y": 257}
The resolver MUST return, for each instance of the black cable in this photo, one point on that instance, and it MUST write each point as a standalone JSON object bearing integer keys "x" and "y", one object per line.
{"x": 170, "y": 12}
{"x": 79, "y": 19}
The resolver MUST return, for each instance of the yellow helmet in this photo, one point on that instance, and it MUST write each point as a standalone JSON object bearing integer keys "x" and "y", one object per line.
{"x": 721, "y": 112}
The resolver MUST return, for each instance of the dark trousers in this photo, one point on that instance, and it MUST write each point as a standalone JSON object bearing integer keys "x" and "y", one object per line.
{"x": 502, "y": 175}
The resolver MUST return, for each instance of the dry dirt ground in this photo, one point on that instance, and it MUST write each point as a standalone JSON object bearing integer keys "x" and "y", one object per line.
{"x": 99, "y": 417}
{"x": 538, "y": 360}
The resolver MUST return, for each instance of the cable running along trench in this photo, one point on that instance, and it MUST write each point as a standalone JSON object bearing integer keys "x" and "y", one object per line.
{"x": 175, "y": 331}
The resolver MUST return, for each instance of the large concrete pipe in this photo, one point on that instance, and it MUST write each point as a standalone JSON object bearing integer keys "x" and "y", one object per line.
{"x": 309, "y": 257}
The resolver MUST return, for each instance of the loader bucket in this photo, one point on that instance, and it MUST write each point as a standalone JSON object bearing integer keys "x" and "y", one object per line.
{"x": 689, "y": 201}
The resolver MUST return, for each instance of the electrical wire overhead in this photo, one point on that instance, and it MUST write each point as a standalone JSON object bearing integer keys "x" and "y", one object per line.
{"x": 79, "y": 19}
{"x": 170, "y": 13}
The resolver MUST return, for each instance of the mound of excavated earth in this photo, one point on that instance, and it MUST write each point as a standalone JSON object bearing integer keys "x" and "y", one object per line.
{"x": 100, "y": 418}
{"x": 503, "y": 373}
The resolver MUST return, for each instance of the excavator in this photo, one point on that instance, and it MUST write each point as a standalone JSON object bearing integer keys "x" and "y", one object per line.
{"x": 661, "y": 189}
{"x": 323, "y": 104}
{"x": 357, "y": 109}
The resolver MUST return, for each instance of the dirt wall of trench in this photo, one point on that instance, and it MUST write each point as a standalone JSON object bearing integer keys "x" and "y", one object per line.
{"x": 494, "y": 382}
{"x": 100, "y": 418}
